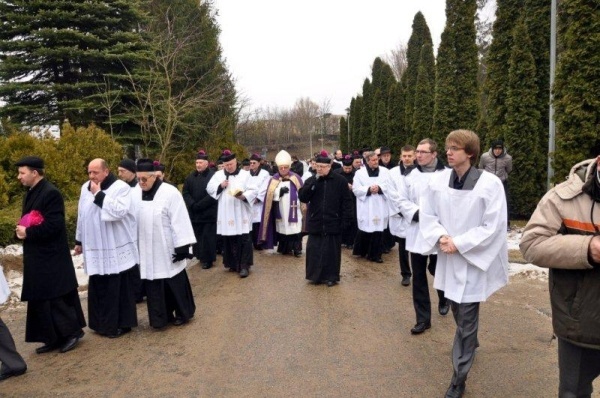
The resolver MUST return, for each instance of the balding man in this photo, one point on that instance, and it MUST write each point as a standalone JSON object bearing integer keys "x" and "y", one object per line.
{"x": 107, "y": 238}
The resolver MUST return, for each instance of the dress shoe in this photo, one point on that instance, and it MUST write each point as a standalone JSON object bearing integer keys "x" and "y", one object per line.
{"x": 47, "y": 348}
{"x": 206, "y": 265}
{"x": 9, "y": 374}
{"x": 455, "y": 390}
{"x": 443, "y": 308}
{"x": 120, "y": 332}
{"x": 244, "y": 273}
{"x": 297, "y": 253}
{"x": 377, "y": 260}
{"x": 405, "y": 281}
{"x": 331, "y": 283}
{"x": 71, "y": 342}
{"x": 180, "y": 321}
{"x": 420, "y": 327}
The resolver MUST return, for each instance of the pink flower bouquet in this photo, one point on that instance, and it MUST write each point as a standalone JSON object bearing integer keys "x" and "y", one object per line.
{"x": 31, "y": 219}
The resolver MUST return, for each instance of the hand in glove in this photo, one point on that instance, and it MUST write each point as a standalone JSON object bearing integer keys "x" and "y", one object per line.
{"x": 181, "y": 253}
{"x": 283, "y": 191}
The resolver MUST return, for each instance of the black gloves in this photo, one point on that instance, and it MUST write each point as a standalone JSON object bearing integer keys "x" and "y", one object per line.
{"x": 283, "y": 191}
{"x": 181, "y": 253}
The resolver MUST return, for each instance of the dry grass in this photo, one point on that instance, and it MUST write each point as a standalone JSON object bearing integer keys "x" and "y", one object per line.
{"x": 515, "y": 256}
{"x": 10, "y": 262}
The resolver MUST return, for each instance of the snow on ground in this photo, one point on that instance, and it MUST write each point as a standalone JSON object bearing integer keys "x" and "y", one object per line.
{"x": 15, "y": 278}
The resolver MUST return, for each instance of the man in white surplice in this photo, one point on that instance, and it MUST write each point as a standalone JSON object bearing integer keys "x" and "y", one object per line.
{"x": 259, "y": 178}
{"x": 234, "y": 190}
{"x": 371, "y": 184}
{"x": 165, "y": 236}
{"x": 281, "y": 222}
{"x": 107, "y": 238}
{"x": 463, "y": 216}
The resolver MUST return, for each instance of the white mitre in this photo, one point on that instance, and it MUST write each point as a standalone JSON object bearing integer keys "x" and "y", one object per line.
{"x": 283, "y": 159}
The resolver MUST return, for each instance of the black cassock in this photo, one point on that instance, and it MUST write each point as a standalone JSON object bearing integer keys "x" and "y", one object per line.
{"x": 329, "y": 212}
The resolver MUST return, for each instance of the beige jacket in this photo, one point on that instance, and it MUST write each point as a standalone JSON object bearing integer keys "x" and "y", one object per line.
{"x": 558, "y": 236}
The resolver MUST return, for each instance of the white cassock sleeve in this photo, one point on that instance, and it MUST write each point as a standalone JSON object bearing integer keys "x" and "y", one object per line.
{"x": 117, "y": 203}
{"x": 360, "y": 186}
{"x": 183, "y": 232}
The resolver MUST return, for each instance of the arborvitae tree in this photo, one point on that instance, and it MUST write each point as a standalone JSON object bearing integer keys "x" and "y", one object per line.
{"x": 507, "y": 12}
{"x": 456, "y": 68}
{"x": 66, "y": 60}
{"x": 397, "y": 135}
{"x": 381, "y": 126}
{"x": 424, "y": 93}
{"x": 352, "y": 123}
{"x": 344, "y": 143}
{"x": 523, "y": 125}
{"x": 357, "y": 134}
{"x": 419, "y": 37}
{"x": 366, "y": 114}
{"x": 577, "y": 84}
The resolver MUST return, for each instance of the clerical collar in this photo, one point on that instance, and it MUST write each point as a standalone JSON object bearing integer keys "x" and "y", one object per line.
{"x": 133, "y": 182}
{"x": 149, "y": 195}
{"x": 108, "y": 181}
{"x": 255, "y": 173}
{"x": 373, "y": 172}
{"x": 232, "y": 174}
{"x": 202, "y": 173}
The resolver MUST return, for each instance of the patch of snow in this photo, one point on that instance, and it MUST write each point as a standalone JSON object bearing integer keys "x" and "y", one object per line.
{"x": 12, "y": 250}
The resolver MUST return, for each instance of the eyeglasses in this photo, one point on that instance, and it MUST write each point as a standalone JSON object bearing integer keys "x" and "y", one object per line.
{"x": 453, "y": 148}
{"x": 422, "y": 152}
{"x": 145, "y": 179}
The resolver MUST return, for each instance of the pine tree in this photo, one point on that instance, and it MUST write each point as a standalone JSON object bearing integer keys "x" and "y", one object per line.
{"x": 445, "y": 108}
{"x": 523, "y": 125}
{"x": 420, "y": 36}
{"x": 424, "y": 92}
{"x": 577, "y": 84}
{"x": 397, "y": 134}
{"x": 66, "y": 60}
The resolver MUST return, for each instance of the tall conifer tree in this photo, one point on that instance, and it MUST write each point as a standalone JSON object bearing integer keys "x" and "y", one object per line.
{"x": 424, "y": 93}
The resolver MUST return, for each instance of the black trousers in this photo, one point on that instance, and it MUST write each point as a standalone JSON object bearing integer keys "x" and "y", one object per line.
{"x": 578, "y": 367}
{"x": 11, "y": 360}
{"x": 403, "y": 258}
{"x": 420, "y": 287}
{"x": 368, "y": 244}
{"x": 237, "y": 252}
{"x": 205, "y": 248}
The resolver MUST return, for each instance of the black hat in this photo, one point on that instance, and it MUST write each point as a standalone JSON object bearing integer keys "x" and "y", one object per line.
{"x": 31, "y": 161}
{"x": 227, "y": 155}
{"x": 384, "y": 149}
{"x": 255, "y": 156}
{"x": 246, "y": 162}
{"x": 323, "y": 157}
{"x": 347, "y": 160}
{"x": 356, "y": 155}
{"x": 498, "y": 144}
{"x": 201, "y": 155}
{"x": 128, "y": 164}
{"x": 158, "y": 166}
{"x": 145, "y": 165}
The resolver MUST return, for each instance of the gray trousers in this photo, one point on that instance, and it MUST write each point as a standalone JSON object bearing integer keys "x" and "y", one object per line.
{"x": 10, "y": 358}
{"x": 466, "y": 316}
{"x": 578, "y": 367}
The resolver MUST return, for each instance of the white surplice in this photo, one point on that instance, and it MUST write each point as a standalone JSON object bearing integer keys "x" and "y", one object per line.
{"x": 234, "y": 216}
{"x": 107, "y": 233}
{"x": 397, "y": 222}
{"x": 411, "y": 188}
{"x": 262, "y": 182}
{"x": 371, "y": 210}
{"x": 476, "y": 221}
{"x": 163, "y": 225}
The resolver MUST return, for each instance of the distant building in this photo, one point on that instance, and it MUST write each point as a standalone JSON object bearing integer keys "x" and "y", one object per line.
{"x": 42, "y": 131}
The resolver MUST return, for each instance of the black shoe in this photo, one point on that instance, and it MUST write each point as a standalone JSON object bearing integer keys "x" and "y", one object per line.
{"x": 206, "y": 265}
{"x": 47, "y": 348}
{"x": 244, "y": 273}
{"x": 443, "y": 308}
{"x": 377, "y": 260}
{"x": 405, "y": 281}
{"x": 120, "y": 332}
{"x": 297, "y": 253}
{"x": 455, "y": 391}
{"x": 180, "y": 321}
{"x": 71, "y": 342}
{"x": 420, "y": 327}
{"x": 331, "y": 283}
{"x": 7, "y": 375}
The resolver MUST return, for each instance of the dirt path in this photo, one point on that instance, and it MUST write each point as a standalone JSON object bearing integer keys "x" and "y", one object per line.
{"x": 274, "y": 335}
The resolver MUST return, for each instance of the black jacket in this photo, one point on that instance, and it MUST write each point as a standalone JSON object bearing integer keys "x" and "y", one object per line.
{"x": 47, "y": 265}
{"x": 329, "y": 204}
{"x": 201, "y": 206}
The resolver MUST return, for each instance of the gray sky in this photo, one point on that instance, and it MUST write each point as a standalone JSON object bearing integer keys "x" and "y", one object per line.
{"x": 281, "y": 50}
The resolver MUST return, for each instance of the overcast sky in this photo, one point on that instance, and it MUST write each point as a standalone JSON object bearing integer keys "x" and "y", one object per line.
{"x": 281, "y": 50}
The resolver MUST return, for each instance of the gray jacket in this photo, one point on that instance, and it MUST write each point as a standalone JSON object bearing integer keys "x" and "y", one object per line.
{"x": 501, "y": 166}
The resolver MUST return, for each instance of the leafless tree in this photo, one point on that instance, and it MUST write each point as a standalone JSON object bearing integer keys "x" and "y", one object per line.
{"x": 396, "y": 58}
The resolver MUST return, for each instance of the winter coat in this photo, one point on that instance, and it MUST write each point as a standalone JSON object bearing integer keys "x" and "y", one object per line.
{"x": 558, "y": 236}
{"x": 501, "y": 166}
{"x": 48, "y": 270}
{"x": 201, "y": 206}
{"x": 329, "y": 204}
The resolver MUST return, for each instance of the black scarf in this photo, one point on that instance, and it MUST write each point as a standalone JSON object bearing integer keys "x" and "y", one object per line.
{"x": 592, "y": 186}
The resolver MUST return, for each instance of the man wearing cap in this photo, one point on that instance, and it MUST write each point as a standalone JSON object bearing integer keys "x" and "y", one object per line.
{"x": 349, "y": 231}
{"x": 54, "y": 314}
{"x": 126, "y": 171}
{"x": 203, "y": 211}
{"x": 330, "y": 209}
{"x": 281, "y": 212}
{"x": 165, "y": 235}
{"x": 260, "y": 178}
{"x": 106, "y": 235}
{"x": 357, "y": 160}
{"x": 498, "y": 162}
{"x": 371, "y": 184}
{"x": 234, "y": 190}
